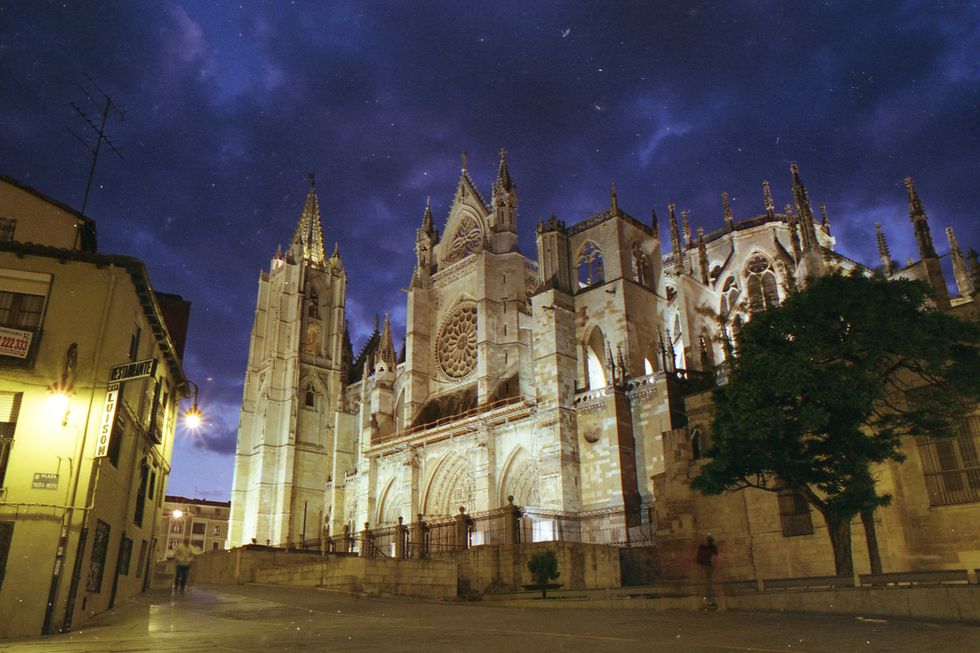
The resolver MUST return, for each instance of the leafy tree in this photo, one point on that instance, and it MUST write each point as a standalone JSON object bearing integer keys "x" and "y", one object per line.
{"x": 543, "y": 567}
{"x": 824, "y": 387}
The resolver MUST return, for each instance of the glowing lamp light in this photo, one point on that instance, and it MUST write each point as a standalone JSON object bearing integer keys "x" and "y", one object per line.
{"x": 193, "y": 417}
{"x": 59, "y": 398}
{"x": 177, "y": 514}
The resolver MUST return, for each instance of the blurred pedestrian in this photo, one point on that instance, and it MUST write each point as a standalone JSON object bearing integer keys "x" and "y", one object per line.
{"x": 183, "y": 556}
{"x": 705, "y": 560}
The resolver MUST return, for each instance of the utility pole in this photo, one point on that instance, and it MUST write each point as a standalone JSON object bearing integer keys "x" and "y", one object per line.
{"x": 104, "y": 107}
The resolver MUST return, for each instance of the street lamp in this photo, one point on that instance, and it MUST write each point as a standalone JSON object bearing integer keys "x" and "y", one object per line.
{"x": 193, "y": 416}
{"x": 61, "y": 391}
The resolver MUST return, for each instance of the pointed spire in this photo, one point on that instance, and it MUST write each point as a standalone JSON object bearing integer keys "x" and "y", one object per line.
{"x": 883, "y": 252}
{"x": 923, "y": 236}
{"x": 613, "y": 199}
{"x": 464, "y": 159}
{"x": 427, "y": 226}
{"x": 386, "y": 347}
{"x": 767, "y": 199}
{"x": 376, "y": 323}
{"x": 278, "y": 255}
{"x": 964, "y": 280}
{"x": 726, "y": 209}
{"x": 675, "y": 239}
{"x": 621, "y": 364}
{"x": 336, "y": 250}
{"x": 504, "y": 180}
{"x": 655, "y": 223}
{"x": 807, "y": 235}
{"x": 686, "y": 227}
{"x": 824, "y": 220}
{"x": 702, "y": 256}
{"x": 671, "y": 353}
{"x": 307, "y": 242}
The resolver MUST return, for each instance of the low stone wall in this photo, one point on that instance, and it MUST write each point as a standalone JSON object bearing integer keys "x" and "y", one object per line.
{"x": 503, "y": 568}
{"x": 433, "y": 579}
{"x": 230, "y": 567}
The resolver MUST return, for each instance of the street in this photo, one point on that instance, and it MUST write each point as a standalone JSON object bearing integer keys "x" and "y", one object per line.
{"x": 263, "y": 618}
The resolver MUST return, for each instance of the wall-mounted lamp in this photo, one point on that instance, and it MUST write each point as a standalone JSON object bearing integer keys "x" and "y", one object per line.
{"x": 61, "y": 391}
{"x": 193, "y": 416}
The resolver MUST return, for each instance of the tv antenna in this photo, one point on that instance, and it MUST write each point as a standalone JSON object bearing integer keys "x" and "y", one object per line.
{"x": 104, "y": 108}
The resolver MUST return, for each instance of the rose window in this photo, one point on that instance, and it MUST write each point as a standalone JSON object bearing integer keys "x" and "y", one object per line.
{"x": 456, "y": 346}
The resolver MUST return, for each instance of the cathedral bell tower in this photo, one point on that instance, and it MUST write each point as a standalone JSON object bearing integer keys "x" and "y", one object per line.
{"x": 295, "y": 370}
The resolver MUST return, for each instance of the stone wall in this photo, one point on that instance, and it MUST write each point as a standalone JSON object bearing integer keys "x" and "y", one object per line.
{"x": 503, "y": 568}
{"x": 230, "y": 567}
{"x": 433, "y": 579}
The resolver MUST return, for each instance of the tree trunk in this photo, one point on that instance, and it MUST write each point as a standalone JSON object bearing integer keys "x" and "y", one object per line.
{"x": 871, "y": 535}
{"x": 839, "y": 530}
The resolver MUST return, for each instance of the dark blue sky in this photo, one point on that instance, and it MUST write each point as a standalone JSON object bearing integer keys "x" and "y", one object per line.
{"x": 229, "y": 105}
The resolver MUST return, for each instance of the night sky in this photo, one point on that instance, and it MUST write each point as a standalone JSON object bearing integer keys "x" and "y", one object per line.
{"x": 229, "y": 106}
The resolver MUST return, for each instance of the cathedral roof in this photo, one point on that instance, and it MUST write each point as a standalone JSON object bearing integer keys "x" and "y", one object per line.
{"x": 608, "y": 214}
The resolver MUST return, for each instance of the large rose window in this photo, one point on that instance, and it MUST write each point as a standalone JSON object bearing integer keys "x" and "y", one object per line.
{"x": 456, "y": 346}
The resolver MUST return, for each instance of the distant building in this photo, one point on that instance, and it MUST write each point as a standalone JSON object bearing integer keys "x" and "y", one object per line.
{"x": 204, "y": 521}
{"x": 90, "y": 380}
{"x": 577, "y": 382}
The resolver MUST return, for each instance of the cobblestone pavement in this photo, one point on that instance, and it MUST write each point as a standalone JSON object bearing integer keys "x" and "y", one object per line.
{"x": 262, "y": 618}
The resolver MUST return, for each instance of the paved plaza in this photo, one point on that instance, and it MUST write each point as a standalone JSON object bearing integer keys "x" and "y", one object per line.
{"x": 263, "y": 618}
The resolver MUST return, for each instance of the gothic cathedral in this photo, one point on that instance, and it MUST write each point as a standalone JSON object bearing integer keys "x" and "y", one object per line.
{"x": 551, "y": 380}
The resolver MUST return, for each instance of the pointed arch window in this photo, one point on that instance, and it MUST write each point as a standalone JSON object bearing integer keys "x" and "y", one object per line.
{"x": 310, "y": 400}
{"x": 642, "y": 273}
{"x": 697, "y": 444}
{"x": 760, "y": 281}
{"x": 590, "y": 268}
{"x": 595, "y": 351}
{"x": 729, "y": 295}
{"x": 313, "y": 308}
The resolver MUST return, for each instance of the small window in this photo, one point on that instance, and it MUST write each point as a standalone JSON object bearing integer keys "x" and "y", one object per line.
{"x": 20, "y": 309}
{"x": 794, "y": 513}
{"x": 199, "y": 528}
{"x": 9, "y": 412}
{"x": 115, "y": 440}
{"x": 310, "y": 397}
{"x": 134, "y": 344}
{"x": 7, "y": 227}
{"x": 217, "y": 530}
{"x": 214, "y": 546}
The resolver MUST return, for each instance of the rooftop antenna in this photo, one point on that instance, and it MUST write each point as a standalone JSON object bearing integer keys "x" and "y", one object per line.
{"x": 104, "y": 106}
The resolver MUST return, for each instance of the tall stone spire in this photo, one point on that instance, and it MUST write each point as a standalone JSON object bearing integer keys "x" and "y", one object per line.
{"x": 794, "y": 232}
{"x": 964, "y": 280}
{"x": 307, "y": 242}
{"x": 923, "y": 236}
{"x": 504, "y": 208}
{"x": 655, "y": 223}
{"x": 686, "y": 228}
{"x": 425, "y": 240}
{"x": 767, "y": 199}
{"x": 726, "y": 209}
{"x": 386, "y": 347}
{"x": 613, "y": 198}
{"x": 675, "y": 240}
{"x": 702, "y": 256}
{"x": 883, "y": 252}
{"x": 807, "y": 234}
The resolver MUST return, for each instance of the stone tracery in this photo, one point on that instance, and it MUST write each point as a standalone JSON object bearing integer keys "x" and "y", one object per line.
{"x": 456, "y": 345}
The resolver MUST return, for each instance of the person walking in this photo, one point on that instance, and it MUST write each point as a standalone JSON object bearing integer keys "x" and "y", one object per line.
{"x": 705, "y": 559}
{"x": 183, "y": 556}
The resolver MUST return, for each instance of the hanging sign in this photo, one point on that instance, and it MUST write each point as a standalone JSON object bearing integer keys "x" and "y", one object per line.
{"x": 108, "y": 419}
{"x": 134, "y": 370}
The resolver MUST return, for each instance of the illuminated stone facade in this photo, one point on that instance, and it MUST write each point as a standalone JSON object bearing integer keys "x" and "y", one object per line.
{"x": 552, "y": 380}
{"x": 80, "y": 492}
